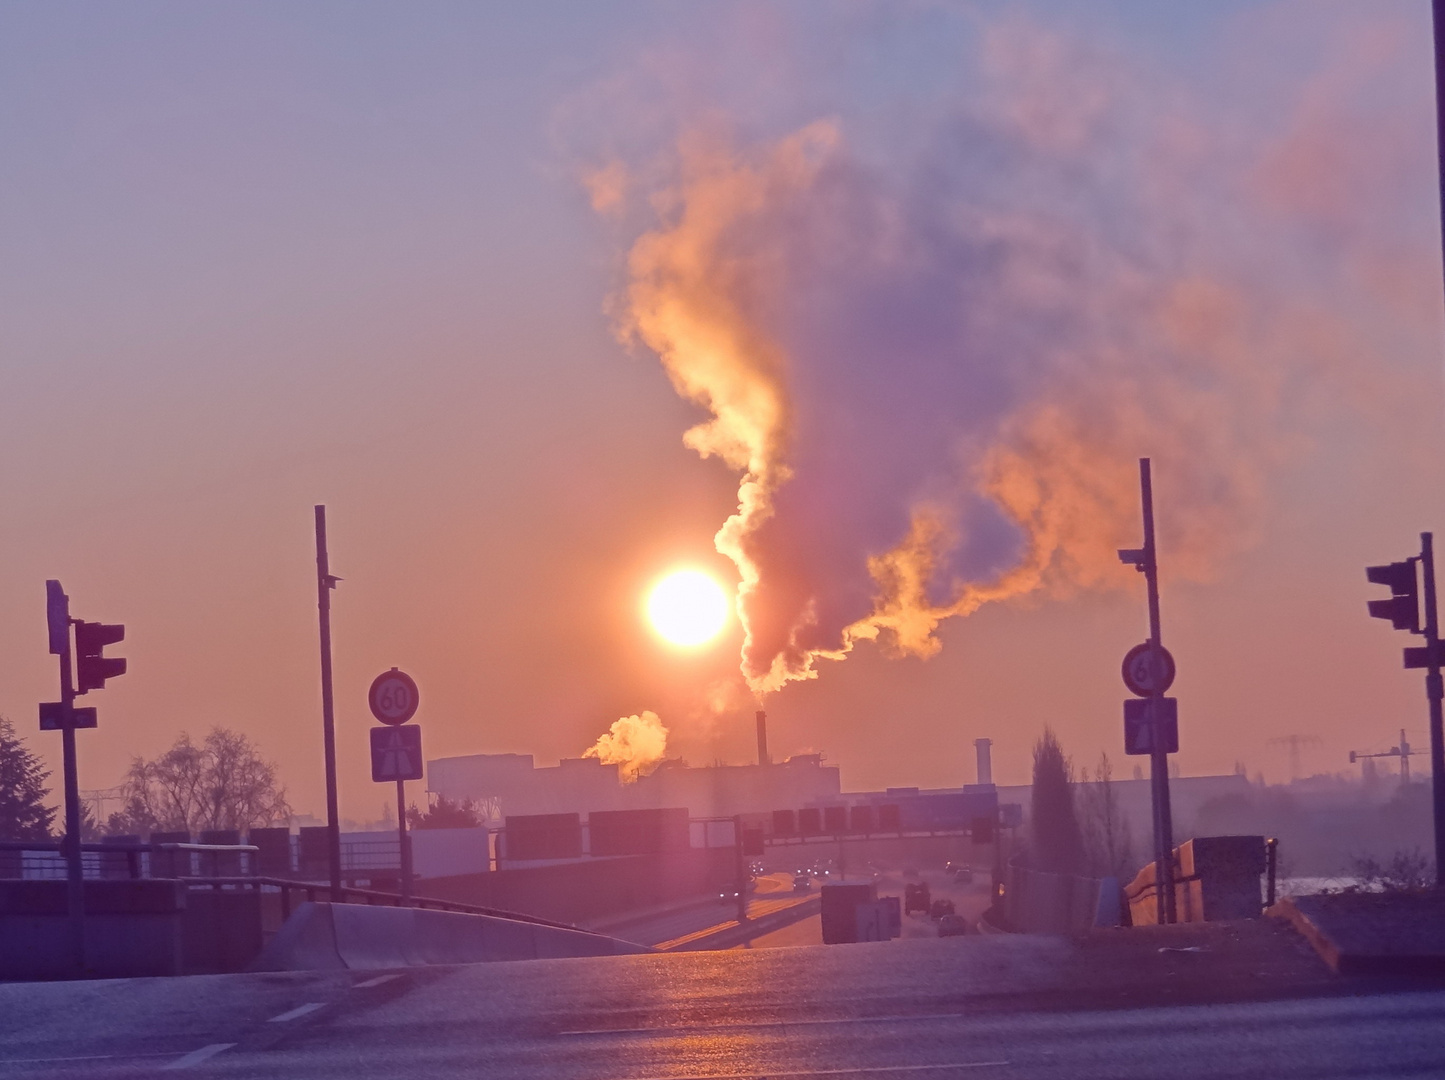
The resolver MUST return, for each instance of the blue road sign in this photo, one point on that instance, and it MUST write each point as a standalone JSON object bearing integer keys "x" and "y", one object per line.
{"x": 1141, "y": 731}
{"x": 396, "y": 753}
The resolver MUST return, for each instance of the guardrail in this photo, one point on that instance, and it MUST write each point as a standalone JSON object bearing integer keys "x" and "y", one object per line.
{"x": 310, "y": 890}
{"x": 132, "y": 853}
{"x": 287, "y": 887}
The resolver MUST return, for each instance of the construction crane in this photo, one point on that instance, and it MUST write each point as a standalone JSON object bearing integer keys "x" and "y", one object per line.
{"x": 1294, "y": 742}
{"x": 1404, "y": 751}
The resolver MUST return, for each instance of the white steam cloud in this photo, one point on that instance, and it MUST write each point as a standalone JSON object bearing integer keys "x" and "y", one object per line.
{"x": 636, "y": 744}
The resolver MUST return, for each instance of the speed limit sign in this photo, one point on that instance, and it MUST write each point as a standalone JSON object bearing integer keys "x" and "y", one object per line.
{"x": 393, "y": 697}
{"x": 1148, "y": 669}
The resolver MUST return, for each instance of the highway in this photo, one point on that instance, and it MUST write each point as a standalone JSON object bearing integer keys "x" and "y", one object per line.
{"x": 681, "y": 926}
{"x": 976, "y": 1007}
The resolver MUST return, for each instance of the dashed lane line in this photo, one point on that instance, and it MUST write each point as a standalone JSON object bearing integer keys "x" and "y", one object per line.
{"x": 681, "y": 1028}
{"x": 377, "y": 981}
{"x": 297, "y": 1013}
{"x": 195, "y": 1057}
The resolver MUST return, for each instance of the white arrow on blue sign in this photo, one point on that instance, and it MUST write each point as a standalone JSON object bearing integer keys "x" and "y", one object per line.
{"x": 396, "y": 753}
{"x": 1141, "y": 729}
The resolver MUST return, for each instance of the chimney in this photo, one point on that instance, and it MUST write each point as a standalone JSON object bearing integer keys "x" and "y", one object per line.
{"x": 763, "y": 758}
{"x": 985, "y": 764}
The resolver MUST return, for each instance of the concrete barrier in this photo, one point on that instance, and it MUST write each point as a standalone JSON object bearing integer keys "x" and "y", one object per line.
{"x": 132, "y": 928}
{"x": 322, "y": 936}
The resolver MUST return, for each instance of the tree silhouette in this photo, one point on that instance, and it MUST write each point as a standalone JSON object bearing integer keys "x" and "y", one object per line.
{"x": 444, "y": 814}
{"x": 223, "y": 783}
{"x": 23, "y": 813}
{"x": 1056, "y": 841}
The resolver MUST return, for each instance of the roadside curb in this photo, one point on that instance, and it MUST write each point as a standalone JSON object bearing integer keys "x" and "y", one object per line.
{"x": 738, "y": 933}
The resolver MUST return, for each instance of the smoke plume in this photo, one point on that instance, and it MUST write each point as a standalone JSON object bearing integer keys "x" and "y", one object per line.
{"x": 636, "y": 744}
{"x": 933, "y": 368}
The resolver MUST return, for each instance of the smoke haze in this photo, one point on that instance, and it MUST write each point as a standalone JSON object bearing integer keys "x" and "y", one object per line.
{"x": 636, "y": 744}
{"x": 933, "y": 368}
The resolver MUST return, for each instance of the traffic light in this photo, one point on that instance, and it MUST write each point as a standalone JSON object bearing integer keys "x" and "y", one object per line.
{"x": 91, "y": 668}
{"x": 1403, "y": 607}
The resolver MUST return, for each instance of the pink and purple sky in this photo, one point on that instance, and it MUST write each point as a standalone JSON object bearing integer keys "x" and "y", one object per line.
{"x": 926, "y": 279}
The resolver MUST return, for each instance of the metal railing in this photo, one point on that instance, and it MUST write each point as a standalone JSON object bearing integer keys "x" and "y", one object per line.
{"x": 310, "y": 890}
{"x": 288, "y": 888}
{"x": 106, "y": 857}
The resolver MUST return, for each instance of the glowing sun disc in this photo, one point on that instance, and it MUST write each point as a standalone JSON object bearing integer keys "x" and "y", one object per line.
{"x": 687, "y": 607}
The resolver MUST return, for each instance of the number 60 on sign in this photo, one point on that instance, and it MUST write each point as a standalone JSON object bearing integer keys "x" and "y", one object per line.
{"x": 393, "y": 697}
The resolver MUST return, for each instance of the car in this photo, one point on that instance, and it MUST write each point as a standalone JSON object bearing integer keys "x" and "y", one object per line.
{"x": 916, "y": 898}
{"x": 940, "y": 909}
{"x": 952, "y": 926}
{"x": 802, "y": 883}
{"x": 728, "y": 894}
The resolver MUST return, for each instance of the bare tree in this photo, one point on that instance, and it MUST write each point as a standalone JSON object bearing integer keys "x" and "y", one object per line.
{"x": 224, "y": 783}
{"x": 1108, "y": 843}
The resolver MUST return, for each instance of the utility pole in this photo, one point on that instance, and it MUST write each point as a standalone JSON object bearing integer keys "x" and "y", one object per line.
{"x": 1150, "y": 680}
{"x": 325, "y": 582}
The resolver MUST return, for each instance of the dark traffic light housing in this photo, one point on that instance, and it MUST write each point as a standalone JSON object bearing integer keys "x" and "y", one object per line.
{"x": 1403, "y": 607}
{"x": 91, "y": 667}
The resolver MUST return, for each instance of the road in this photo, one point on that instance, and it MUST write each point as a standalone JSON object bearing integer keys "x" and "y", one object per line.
{"x": 975, "y": 1007}
{"x": 681, "y": 925}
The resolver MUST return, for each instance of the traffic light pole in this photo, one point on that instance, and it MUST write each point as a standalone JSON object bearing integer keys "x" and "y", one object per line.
{"x": 1435, "y": 692}
{"x": 324, "y": 584}
{"x": 1158, "y": 755}
{"x": 74, "y": 870}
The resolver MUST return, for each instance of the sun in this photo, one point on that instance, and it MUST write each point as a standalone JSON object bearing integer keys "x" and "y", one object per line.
{"x": 687, "y": 607}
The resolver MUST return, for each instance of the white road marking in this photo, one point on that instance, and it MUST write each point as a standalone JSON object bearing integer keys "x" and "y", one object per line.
{"x": 195, "y": 1057}
{"x": 299, "y": 1011}
{"x": 772, "y": 1074}
{"x": 377, "y": 981}
{"x": 49, "y": 1061}
{"x": 766, "y": 1024}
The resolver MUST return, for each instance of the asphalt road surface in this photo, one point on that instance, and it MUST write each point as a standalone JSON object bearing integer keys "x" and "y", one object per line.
{"x": 924, "y": 1008}
{"x": 676, "y": 925}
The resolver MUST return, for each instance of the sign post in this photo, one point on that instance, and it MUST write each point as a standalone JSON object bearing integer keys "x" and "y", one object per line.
{"x": 396, "y": 750}
{"x": 325, "y": 582}
{"x": 1148, "y": 671}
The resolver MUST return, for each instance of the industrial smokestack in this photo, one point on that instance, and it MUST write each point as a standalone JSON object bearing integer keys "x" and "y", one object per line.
{"x": 763, "y": 758}
{"x": 985, "y": 763}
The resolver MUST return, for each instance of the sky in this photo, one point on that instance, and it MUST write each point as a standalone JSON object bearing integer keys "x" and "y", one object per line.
{"x": 871, "y": 308}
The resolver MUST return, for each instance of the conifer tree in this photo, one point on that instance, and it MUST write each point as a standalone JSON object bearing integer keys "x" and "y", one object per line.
{"x": 23, "y": 813}
{"x": 1057, "y": 841}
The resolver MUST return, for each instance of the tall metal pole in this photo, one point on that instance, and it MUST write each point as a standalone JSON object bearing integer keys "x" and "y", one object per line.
{"x": 1158, "y": 757}
{"x": 1437, "y": 754}
{"x": 1435, "y": 692}
{"x": 324, "y": 584}
{"x": 738, "y": 867}
{"x": 404, "y": 840}
{"x": 74, "y": 868}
